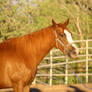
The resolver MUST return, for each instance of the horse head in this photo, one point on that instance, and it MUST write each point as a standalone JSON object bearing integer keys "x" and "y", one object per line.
{"x": 64, "y": 39}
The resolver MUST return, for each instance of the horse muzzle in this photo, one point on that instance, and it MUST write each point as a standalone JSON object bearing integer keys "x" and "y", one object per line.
{"x": 73, "y": 53}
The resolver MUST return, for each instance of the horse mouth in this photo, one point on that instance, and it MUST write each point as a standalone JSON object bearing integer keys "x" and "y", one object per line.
{"x": 72, "y": 54}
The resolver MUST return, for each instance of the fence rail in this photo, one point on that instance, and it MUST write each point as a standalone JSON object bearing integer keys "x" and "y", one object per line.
{"x": 87, "y": 58}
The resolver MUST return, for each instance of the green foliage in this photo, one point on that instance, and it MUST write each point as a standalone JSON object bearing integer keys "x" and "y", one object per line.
{"x": 24, "y": 16}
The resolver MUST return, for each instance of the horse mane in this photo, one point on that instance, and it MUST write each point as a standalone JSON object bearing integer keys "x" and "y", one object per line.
{"x": 17, "y": 40}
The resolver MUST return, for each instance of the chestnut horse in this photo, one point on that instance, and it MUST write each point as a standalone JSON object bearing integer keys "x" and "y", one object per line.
{"x": 20, "y": 56}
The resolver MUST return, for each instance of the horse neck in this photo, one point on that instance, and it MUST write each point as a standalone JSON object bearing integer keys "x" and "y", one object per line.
{"x": 43, "y": 42}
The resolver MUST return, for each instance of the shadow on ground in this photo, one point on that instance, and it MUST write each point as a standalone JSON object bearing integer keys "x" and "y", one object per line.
{"x": 76, "y": 89}
{"x": 31, "y": 90}
{"x": 35, "y": 90}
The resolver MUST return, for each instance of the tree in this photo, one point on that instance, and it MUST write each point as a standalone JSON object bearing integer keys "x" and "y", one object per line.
{"x": 14, "y": 19}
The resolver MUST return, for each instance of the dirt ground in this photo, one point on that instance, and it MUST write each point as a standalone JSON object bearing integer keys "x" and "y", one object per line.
{"x": 56, "y": 88}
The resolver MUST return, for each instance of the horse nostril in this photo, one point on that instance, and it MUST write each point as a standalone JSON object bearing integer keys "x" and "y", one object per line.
{"x": 73, "y": 48}
{"x": 74, "y": 53}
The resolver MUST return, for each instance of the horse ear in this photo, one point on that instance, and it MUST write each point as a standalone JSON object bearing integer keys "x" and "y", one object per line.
{"x": 53, "y": 22}
{"x": 66, "y": 22}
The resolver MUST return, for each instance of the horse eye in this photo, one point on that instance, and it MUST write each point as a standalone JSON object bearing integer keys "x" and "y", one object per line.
{"x": 62, "y": 35}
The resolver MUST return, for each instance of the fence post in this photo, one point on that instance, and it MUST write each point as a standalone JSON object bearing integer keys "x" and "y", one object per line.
{"x": 86, "y": 61}
{"x": 66, "y": 72}
{"x": 51, "y": 68}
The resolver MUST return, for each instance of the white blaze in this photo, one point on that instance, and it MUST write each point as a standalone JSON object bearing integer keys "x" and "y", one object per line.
{"x": 69, "y": 38}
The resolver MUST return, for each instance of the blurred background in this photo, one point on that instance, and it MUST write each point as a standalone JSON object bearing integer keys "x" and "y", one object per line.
{"x": 19, "y": 17}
